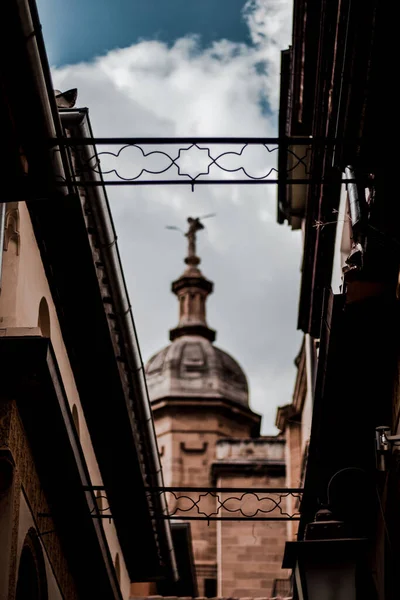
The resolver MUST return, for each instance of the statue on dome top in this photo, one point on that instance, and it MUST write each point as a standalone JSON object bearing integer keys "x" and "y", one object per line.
{"x": 195, "y": 225}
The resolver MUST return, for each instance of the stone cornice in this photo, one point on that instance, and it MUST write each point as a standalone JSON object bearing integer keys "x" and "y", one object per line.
{"x": 245, "y": 468}
{"x": 204, "y": 405}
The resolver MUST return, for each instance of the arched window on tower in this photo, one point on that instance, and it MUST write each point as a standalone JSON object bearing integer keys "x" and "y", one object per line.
{"x": 187, "y": 308}
{"x": 203, "y": 306}
{"x": 44, "y": 318}
{"x": 192, "y": 305}
{"x": 198, "y": 306}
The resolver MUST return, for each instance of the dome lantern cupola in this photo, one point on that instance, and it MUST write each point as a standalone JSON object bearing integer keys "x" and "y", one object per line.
{"x": 191, "y": 367}
{"x": 192, "y": 289}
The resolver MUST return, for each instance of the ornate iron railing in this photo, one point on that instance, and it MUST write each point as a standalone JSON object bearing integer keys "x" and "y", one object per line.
{"x": 210, "y": 504}
{"x": 192, "y": 161}
{"x": 230, "y": 504}
{"x": 214, "y": 504}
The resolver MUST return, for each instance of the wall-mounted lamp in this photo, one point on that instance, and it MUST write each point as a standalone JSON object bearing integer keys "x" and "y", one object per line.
{"x": 329, "y": 563}
{"x": 383, "y": 444}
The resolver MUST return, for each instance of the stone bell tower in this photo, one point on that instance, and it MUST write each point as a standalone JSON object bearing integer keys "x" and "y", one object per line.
{"x": 199, "y": 396}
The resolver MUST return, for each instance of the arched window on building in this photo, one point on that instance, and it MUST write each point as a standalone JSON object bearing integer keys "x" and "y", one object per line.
{"x": 31, "y": 584}
{"x": 75, "y": 418}
{"x": 44, "y": 318}
{"x": 117, "y": 568}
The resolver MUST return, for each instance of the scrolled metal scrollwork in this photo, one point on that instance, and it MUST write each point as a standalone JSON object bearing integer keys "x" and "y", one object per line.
{"x": 193, "y": 161}
{"x": 186, "y": 504}
{"x": 212, "y": 504}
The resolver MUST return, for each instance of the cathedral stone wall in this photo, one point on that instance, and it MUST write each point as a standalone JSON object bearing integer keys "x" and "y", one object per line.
{"x": 250, "y": 552}
{"x": 201, "y": 448}
{"x": 187, "y": 441}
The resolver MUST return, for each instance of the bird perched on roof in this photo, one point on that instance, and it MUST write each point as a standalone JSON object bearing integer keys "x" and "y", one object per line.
{"x": 66, "y": 99}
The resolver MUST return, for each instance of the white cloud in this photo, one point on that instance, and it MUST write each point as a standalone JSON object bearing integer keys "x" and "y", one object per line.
{"x": 270, "y": 25}
{"x": 150, "y": 89}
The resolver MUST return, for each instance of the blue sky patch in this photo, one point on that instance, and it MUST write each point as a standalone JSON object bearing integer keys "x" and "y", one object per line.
{"x": 79, "y": 30}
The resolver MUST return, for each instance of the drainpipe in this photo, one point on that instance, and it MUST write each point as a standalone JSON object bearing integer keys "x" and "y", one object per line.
{"x": 78, "y": 121}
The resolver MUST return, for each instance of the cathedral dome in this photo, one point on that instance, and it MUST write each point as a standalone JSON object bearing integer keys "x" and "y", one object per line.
{"x": 192, "y": 367}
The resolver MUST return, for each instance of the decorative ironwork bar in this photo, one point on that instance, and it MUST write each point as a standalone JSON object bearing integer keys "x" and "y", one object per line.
{"x": 223, "y": 490}
{"x": 195, "y": 182}
{"x": 158, "y": 141}
{"x": 195, "y": 160}
{"x": 219, "y": 504}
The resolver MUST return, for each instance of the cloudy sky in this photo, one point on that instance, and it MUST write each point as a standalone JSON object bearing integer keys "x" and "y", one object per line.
{"x": 189, "y": 68}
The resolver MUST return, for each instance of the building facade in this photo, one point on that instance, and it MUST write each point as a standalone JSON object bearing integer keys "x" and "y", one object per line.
{"x": 209, "y": 437}
{"x": 333, "y": 92}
